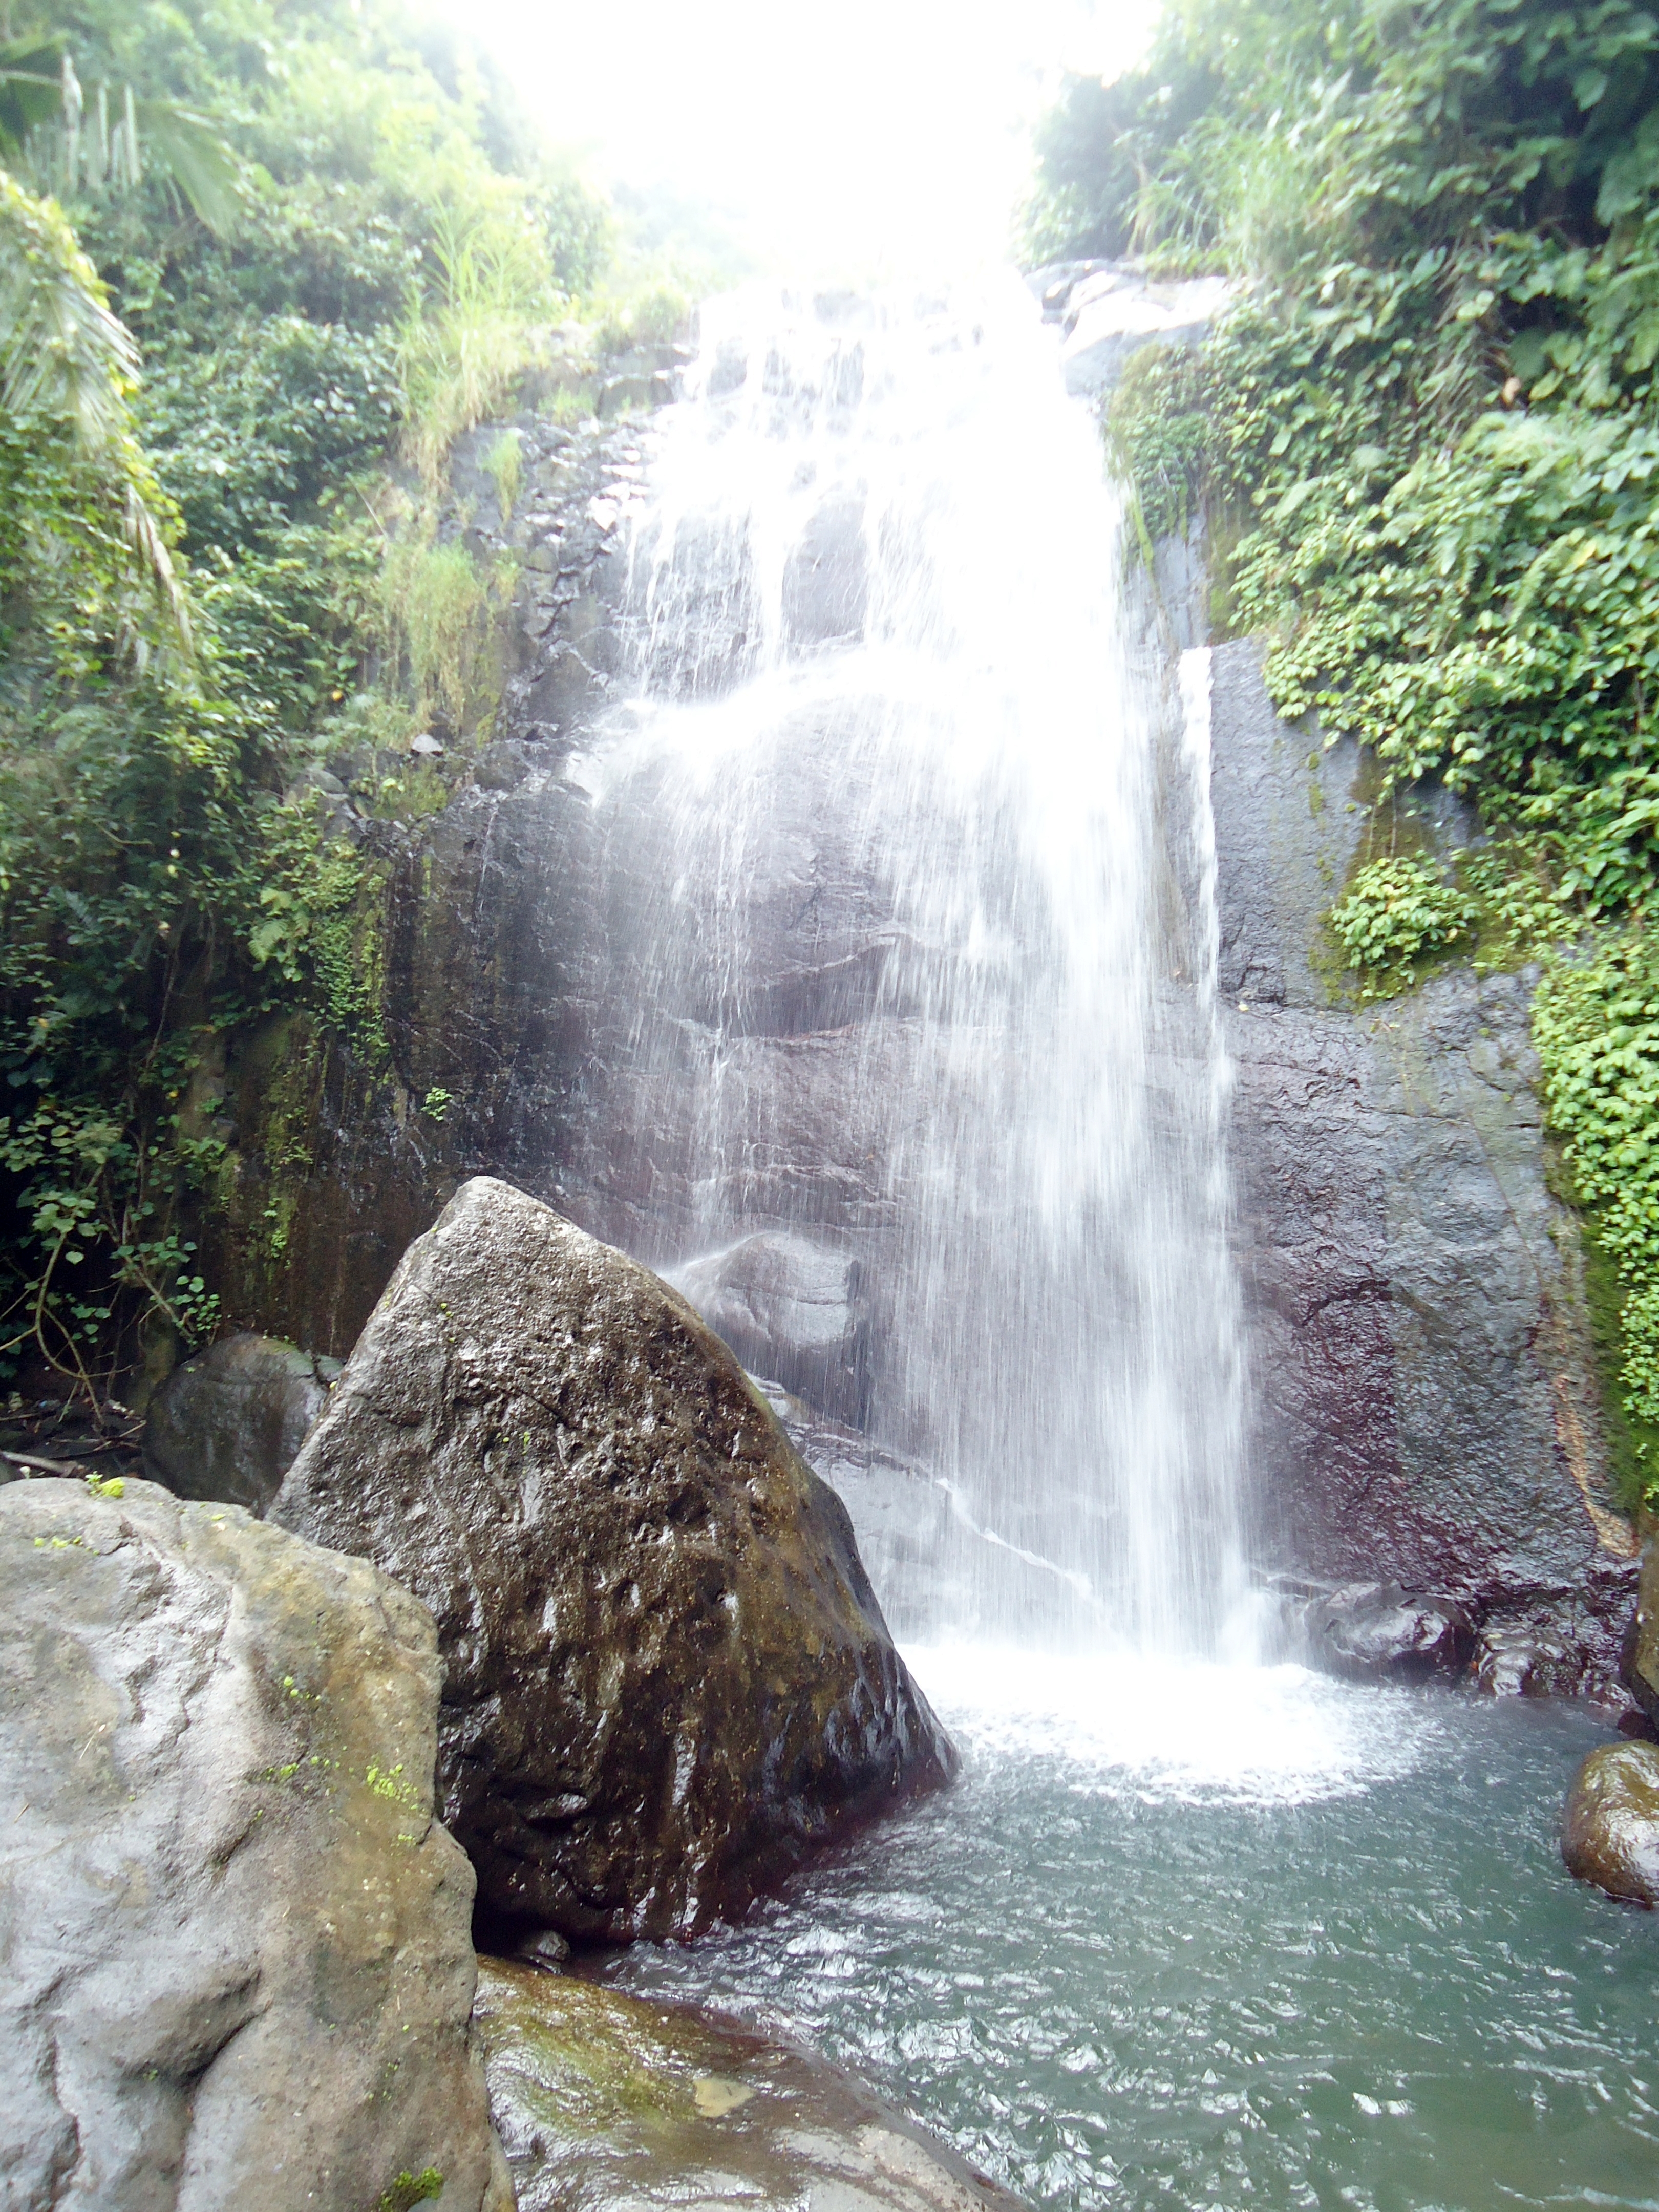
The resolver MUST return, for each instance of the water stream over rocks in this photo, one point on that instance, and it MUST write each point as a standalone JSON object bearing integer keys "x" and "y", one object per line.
{"x": 924, "y": 1091}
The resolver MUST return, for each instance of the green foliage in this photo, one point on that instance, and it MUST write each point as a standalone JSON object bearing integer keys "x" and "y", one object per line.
{"x": 504, "y": 466}
{"x": 464, "y": 349}
{"x": 78, "y": 482}
{"x": 1396, "y": 911}
{"x": 389, "y": 248}
{"x": 438, "y": 598}
{"x": 1596, "y": 1025}
{"x": 411, "y": 2189}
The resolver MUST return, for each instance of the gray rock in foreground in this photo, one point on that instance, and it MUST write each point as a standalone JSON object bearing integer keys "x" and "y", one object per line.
{"x": 1610, "y": 1831}
{"x": 235, "y": 1955}
{"x": 604, "y": 2101}
{"x": 668, "y": 1676}
{"x": 227, "y": 1423}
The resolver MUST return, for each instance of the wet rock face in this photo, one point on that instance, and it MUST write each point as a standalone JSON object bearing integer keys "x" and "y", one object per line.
{"x": 604, "y": 2102}
{"x": 1610, "y": 1832}
{"x": 235, "y": 1955}
{"x": 227, "y": 1423}
{"x": 667, "y": 1674}
{"x": 1424, "y": 1395}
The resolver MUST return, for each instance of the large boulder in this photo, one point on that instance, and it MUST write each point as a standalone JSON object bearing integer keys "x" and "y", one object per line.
{"x": 1610, "y": 1834}
{"x": 606, "y": 2101}
{"x": 668, "y": 1676}
{"x": 227, "y": 1422}
{"x": 235, "y": 1955}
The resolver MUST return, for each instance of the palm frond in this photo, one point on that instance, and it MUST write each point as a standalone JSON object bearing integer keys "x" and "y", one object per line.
{"x": 66, "y": 361}
{"x": 193, "y": 155}
{"x": 62, "y": 351}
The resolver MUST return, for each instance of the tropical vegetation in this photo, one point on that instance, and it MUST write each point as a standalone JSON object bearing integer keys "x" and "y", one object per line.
{"x": 261, "y": 262}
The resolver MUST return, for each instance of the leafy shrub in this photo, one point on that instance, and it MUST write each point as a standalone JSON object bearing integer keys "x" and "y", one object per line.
{"x": 1596, "y": 1022}
{"x": 1395, "y": 912}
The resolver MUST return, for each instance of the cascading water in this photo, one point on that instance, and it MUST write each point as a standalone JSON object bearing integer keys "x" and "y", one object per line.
{"x": 919, "y": 948}
{"x": 918, "y": 1086}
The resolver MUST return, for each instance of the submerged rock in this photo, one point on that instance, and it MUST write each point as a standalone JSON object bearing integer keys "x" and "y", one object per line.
{"x": 227, "y": 1423}
{"x": 1610, "y": 1834}
{"x": 235, "y": 1954}
{"x": 1376, "y": 1632}
{"x": 604, "y": 2101}
{"x": 668, "y": 1676}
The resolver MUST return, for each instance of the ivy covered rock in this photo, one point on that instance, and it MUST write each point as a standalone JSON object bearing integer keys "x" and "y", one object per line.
{"x": 227, "y": 1423}
{"x": 235, "y": 1954}
{"x": 1610, "y": 1834}
{"x": 668, "y": 1676}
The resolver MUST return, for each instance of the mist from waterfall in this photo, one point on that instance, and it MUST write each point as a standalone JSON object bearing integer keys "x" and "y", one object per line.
{"x": 912, "y": 877}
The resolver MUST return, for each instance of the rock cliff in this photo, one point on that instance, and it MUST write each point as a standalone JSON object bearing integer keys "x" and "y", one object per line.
{"x": 1426, "y": 1402}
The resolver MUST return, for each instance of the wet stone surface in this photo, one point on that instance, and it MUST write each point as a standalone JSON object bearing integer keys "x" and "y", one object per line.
{"x": 604, "y": 2100}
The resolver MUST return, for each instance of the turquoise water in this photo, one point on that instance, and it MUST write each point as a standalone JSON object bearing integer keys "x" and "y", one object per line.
{"x": 1219, "y": 1940}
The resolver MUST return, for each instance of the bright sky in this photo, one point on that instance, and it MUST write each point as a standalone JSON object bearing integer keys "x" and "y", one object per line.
{"x": 842, "y": 138}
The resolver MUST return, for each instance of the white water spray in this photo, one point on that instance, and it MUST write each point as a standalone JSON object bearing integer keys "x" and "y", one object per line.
{"x": 921, "y": 943}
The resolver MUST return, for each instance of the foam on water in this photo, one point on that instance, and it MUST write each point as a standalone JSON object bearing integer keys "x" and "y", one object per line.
{"x": 1163, "y": 1730}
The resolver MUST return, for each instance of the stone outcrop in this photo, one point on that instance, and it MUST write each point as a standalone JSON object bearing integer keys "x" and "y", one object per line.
{"x": 1374, "y": 1632}
{"x": 606, "y": 2101}
{"x": 1610, "y": 1832}
{"x": 235, "y": 1954}
{"x": 667, "y": 1674}
{"x": 227, "y": 1422}
{"x": 1639, "y": 1659}
{"x": 1108, "y": 310}
{"x": 1426, "y": 1399}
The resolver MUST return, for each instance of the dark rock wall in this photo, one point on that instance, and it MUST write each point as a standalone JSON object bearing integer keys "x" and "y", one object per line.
{"x": 1424, "y": 1404}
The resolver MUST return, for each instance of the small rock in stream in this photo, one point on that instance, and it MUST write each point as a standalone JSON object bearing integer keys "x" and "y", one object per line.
{"x": 1610, "y": 1832}
{"x": 668, "y": 1676}
{"x": 1378, "y": 1632}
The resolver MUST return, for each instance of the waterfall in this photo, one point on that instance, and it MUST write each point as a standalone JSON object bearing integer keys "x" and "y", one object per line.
{"x": 910, "y": 898}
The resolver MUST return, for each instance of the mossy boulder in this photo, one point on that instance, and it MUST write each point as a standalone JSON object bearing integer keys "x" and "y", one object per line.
{"x": 235, "y": 1955}
{"x": 605, "y": 2100}
{"x": 1610, "y": 1834}
{"x": 667, "y": 1676}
